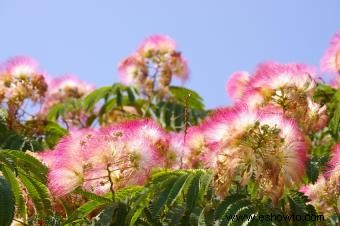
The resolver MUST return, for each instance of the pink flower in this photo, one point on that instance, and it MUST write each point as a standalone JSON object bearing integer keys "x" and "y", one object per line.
{"x": 324, "y": 193}
{"x": 330, "y": 62}
{"x": 289, "y": 87}
{"x": 66, "y": 162}
{"x": 335, "y": 83}
{"x": 237, "y": 84}
{"x": 65, "y": 178}
{"x": 275, "y": 75}
{"x": 152, "y": 67}
{"x": 69, "y": 83}
{"x": 176, "y": 149}
{"x": 20, "y": 80}
{"x": 180, "y": 67}
{"x": 335, "y": 157}
{"x": 126, "y": 153}
{"x": 157, "y": 42}
{"x": 277, "y": 161}
{"x": 132, "y": 71}
{"x": 62, "y": 89}
{"x": 20, "y": 66}
{"x": 113, "y": 157}
{"x": 198, "y": 152}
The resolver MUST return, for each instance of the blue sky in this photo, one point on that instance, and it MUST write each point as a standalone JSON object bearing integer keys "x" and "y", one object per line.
{"x": 89, "y": 38}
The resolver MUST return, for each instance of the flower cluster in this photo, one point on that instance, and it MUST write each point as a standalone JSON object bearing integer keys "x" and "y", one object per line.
{"x": 256, "y": 145}
{"x": 62, "y": 89}
{"x": 325, "y": 192}
{"x": 109, "y": 158}
{"x": 153, "y": 65}
{"x": 263, "y": 139}
{"x": 234, "y": 142}
{"x": 21, "y": 79}
{"x": 288, "y": 88}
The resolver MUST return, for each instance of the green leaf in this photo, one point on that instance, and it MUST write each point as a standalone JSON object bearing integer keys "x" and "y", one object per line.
{"x": 104, "y": 218}
{"x": 233, "y": 209}
{"x": 177, "y": 189}
{"x": 127, "y": 193}
{"x": 298, "y": 206}
{"x": 92, "y": 196}
{"x": 92, "y": 99}
{"x": 6, "y": 203}
{"x": 323, "y": 93}
{"x": 193, "y": 192}
{"x": 163, "y": 197}
{"x": 84, "y": 210}
{"x": 223, "y": 206}
{"x": 183, "y": 95}
{"x": 249, "y": 212}
{"x": 53, "y": 133}
{"x": 26, "y": 162}
{"x": 334, "y": 123}
{"x": 55, "y": 111}
{"x": 38, "y": 193}
{"x": 19, "y": 200}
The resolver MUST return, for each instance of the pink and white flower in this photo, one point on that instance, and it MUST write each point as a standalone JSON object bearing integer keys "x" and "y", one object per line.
{"x": 237, "y": 84}
{"x": 157, "y": 42}
{"x": 330, "y": 62}
{"x": 20, "y": 66}
{"x": 277, "y": 161}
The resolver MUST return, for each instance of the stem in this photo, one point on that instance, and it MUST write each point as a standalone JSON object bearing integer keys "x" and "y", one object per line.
{"x": 111, "y": 182}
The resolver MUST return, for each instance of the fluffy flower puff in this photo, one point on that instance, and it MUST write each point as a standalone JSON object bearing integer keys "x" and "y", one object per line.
{"x": 177, "y": 149}
{"x": 153, "y": 65}
{"x": 20, "y": 66}
{"x": 289, "y": 87}
{"x": 198, "y": 153}
{"x": 335, "y": 83}
{"x": 274, "y": 163}
{"x": 273, "y": 76}
{"x": 323, "y": 194}
{"x": 66, "y": 162}
{"x": 334, "y": 163}
{"x": 161, "y": 43}
{"x": 330, "y": 62}
{"x": 20, "y": 79}
{"x": 62, "y": 88}
{"x": 132, "y": 70}
{"x": 124, "y": 154}
{"x": 237, "y": 84}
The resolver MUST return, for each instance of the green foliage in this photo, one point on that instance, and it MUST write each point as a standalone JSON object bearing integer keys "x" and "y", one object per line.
{"x": 6, "y": 203}
{"x": 298, "y": 206}
{"x": 187, "y": 97}
{"x": 53, "y": 133}
{"x": 180, "y": 107}
{"x": 331, "y": 98}
{"x": 96, "y": 203}
{"x": 10, "y": 139}
{"x": 170, "y": 197}
{"x": 22, "y": 170}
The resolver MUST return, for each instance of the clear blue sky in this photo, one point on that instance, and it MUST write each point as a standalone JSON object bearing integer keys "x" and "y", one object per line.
{"x": 88, "y": 38}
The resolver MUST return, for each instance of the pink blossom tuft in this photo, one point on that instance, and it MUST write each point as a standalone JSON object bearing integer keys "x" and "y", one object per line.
{"x": 335, "y": 157}
{"x": 335, "y": 83}
{"x": 20, "y": 65}
{"x": 237, "y": 84}
{"x": 275, "y": 75}
{"x": 157, "y": 42}
{"x": 330, "y": 62}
